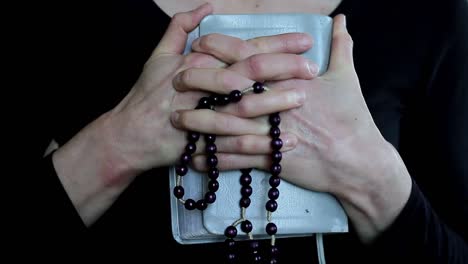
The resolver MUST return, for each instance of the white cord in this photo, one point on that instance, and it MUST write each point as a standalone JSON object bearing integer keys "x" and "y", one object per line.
{"x": 320, "y": 251}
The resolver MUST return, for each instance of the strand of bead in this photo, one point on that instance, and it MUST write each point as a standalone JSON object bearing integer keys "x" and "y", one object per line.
{"x": 273, "y": 194}
{"x": 245, "y": 179}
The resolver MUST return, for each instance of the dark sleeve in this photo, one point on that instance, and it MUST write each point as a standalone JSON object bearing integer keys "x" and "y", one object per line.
{"x": 48, "y": 216}
{"x": 418, "y": 233}
{"x": 433, "y": 226}
{"x": 57, "y": 213}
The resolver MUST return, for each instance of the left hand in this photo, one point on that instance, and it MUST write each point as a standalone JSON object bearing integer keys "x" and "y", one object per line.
{"x": 340, "y": 149}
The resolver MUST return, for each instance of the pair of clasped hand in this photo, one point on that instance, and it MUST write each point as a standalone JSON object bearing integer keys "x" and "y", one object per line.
{"x": 331, "y": 142}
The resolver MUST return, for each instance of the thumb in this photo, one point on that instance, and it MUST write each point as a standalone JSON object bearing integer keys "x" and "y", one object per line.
{"x": 175, "y": 38}
{"x": 342, "y": 45}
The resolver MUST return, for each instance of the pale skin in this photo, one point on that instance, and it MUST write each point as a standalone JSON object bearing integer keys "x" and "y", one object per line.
{"x": 327, "y": 128}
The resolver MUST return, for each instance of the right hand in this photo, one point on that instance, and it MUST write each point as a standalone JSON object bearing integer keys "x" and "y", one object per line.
{"x": 139, "y": 130}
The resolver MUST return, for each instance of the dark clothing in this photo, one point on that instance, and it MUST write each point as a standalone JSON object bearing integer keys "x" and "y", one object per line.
{"x": 412, "y": 61}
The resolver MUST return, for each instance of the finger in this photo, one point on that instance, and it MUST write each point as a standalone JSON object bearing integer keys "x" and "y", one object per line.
{"x": 175, "y": 38}
{"x": 200, "y": 60}
{"x": 214, "y": 80}
{"x": 273, "y": 101}
{"x": 253, "y": 144}
{"x": 208, "y": 121}
{"x": 231, "y": 49}
{"x": 234, "y": 162}
{"x": 247, "y": 144}
{"x": 258, "y": 67}
{"x": 276, "y": 67}
{"x": 342, "y": 45}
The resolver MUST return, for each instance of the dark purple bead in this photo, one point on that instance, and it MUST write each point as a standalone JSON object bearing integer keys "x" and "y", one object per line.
{"x": 213, "y": 173}
{"x": 246, "y": 191}
{"x": 273, "y": 193}
{"x": 190, "y": 204}
{"x": 274, "y": 250}
{"x": 191, "y": 148}
{"x": 271, "y": 229}
{"x": 201, "y": 205}
{"x": 181, "y": 170}
{"x": 275, "y": 132}
{"x": 246, "y": 171}
{"x": 275, "y": 181}
{"x": 230, "y": 243}
{"x": 246, "y": 226}
{"x": 258, "y": 87}
{"x": 275, "y": 169}
{"x": 245, "y": 179}
{"x": 210, "y": 138}
{"x": 213, "y": 185}
{"x": 273, "y": 261}
{"x": 257, "y": 257}
{"x": 204, "y": 103}
{"x": 185, "y": 158}
{"x": 210, "y": 197}
{"x": 223, "y": 99}
{"x": 230, "y": 232}
{"x": 235, "y": 96}
{"x": 210, "y": 148}
{"x": 274, "y": 119}
{"x": 211, "y": 161}
{"x": 193, "y": 136}
{"x": 276, "y": 143}
{"x": 271, "y": 205}
{"x": 276, "y": 156}
{"x": 179, "y": 192}
{"x": 214, "y": 99}
{"x": 231, "y": 257}
{"x": 244, "y": 202}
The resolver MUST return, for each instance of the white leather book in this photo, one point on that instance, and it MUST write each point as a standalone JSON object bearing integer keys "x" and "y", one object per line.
{"x": 300, "y": 212}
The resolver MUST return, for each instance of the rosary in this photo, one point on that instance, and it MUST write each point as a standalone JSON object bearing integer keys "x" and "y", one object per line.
{"x": 245, "y": 178}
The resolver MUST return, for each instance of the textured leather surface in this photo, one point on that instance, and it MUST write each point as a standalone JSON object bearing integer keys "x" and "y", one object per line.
{"x": 300, "y": 212}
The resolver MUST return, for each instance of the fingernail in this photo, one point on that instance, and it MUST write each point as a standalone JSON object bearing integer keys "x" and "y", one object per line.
{"x": 344, "y": 20}
{"x": 289, "y": 141}
{"x": 175, "y": 117}
{"x": 312, "y": 68}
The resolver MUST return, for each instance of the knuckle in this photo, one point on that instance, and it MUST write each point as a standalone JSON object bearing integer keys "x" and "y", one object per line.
{"x": 259, "y": 44}
{"x": 224, "y": 80}
{"x": 243, "y": 108}
{"x": 256, "y": 66}
{"x": 241, "y": 144}
{"x": 178, "y": 18}
{"x": 344, "y": 39}
{"x": 242, "y": 49}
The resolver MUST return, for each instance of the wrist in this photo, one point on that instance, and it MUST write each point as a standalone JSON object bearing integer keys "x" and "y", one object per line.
{"x": 91, "y": 170}
{"x": 118, "y": 164}
{"x": 375, "y": 203}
